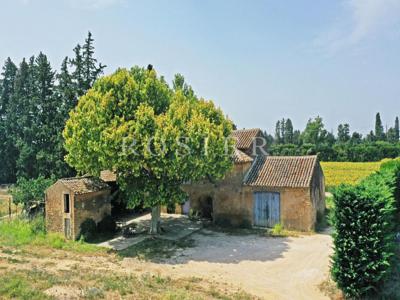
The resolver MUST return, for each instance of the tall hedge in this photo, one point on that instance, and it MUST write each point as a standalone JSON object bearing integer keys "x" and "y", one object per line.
{"x": 364, "y": 222}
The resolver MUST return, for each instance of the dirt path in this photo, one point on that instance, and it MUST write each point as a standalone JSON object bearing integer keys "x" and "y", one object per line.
{"x": 272, "y": 268}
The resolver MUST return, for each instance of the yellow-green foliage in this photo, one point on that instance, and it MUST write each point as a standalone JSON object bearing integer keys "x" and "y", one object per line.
{"x": 347, "y": 172}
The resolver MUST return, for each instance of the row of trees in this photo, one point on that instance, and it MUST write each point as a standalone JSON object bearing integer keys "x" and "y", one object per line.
{"x": 344, "y": 146}
{"x": 34, "y": 104}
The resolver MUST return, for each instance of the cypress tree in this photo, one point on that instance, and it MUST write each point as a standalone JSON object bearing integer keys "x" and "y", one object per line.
{"x": 7, "y": 85}
{"x": 65, "y": 89}
{"x": 278, "y": 137}
{"x": 23, "y": 111}
{"x": 379, "y": 133}
{"x": 91, "y": 70}
{"x": 48, "y": 123}
{"x": 288, "y": 132}
{"x": 396, "y": 129}
{"x": 77, "y": 74}
{"x": 7, "y": 82}
{"x": 283, "y": 133}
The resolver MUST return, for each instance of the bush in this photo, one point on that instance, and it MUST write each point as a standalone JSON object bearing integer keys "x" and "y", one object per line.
{"x": 107, "y": 225}
{"x": 88, "y": 230}
{"x": 364, "y": 233}
{"x": 30, "y": 191}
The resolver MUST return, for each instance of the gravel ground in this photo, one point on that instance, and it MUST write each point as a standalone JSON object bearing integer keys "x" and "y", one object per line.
{"x": 271, "y": 268}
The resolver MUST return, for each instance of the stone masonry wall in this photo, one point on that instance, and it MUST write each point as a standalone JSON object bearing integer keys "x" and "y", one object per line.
{"x": 233, "y": 202}
{"x": 55, "y": 208}
{"x": 90, "y": 206}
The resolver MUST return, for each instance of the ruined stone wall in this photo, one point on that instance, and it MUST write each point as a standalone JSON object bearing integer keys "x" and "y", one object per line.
{"x": 90, "y": 206}
{"x": 54, "y": 207}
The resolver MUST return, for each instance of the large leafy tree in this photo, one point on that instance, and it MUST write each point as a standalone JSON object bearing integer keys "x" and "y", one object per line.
{"x": 343, "y": 133}
{"x": 315, "y": 132}
{"x": 154, "y": 137}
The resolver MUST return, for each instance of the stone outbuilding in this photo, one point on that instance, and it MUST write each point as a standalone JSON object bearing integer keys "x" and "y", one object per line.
{"x": 70, "y": 201}
{"x": 262, "y": 190}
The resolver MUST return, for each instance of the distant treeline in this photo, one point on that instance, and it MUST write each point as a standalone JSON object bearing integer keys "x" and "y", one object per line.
{"x": 34, "y": 105}
{"x": 344, "y": 146}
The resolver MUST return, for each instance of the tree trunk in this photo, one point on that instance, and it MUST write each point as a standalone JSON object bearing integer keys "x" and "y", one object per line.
{"x": 155, "y": 220}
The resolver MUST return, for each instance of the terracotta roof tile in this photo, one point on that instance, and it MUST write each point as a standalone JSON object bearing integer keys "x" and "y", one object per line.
{"x": 84, "y": 185}
{"x": 241, "y": 157}
{"x": 108, "y": 176}
{"x": 281, "y": 171}
{"x": 245, "y": 137}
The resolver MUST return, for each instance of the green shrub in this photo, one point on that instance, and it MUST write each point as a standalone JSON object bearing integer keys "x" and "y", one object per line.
{"x": 30, "y": 191}
{"x": 88, "y": 230}
{"x": 364, "y": 231}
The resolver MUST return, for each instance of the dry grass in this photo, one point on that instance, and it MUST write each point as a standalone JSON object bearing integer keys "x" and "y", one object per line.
{"x": 5, "y": 201}
{"x": 44, "y": 281}
{"x": 329, "y": 288}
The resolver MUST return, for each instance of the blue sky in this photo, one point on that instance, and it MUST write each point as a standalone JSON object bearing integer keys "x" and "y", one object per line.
{"x": 258, "y": 60}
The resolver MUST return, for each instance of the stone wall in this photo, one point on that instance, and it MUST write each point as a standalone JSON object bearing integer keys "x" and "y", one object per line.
{"x": 296, "y": 208}
{"x": 233, "y": 202}
{"x": 227, "y": 199}
{"x": 90, "y": 206}
{"x": 55, "y": 215}
{"x": 318, "y": 190}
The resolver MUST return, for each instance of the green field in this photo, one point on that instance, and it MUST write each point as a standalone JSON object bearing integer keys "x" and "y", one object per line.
{"x": 347, "y": 172}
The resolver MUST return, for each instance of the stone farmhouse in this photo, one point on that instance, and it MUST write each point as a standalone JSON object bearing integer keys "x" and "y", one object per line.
{"x": 262, "y": 190}
{"x": 259, "y": 191}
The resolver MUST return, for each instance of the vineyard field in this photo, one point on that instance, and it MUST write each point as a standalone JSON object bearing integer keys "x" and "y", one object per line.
{"x": 347, "y": 172}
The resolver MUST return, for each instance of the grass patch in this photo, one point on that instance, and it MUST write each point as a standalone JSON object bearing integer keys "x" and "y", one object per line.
{"x": 279, "y": 231}
{"x": 347, "y": 172}
{"x": 29, "y": 285}
{"x": 156, "y": 249}
{"x": 21, "y": 232}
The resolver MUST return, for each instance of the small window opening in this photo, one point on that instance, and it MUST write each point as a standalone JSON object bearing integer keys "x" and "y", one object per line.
{"x": 66, "y": 203}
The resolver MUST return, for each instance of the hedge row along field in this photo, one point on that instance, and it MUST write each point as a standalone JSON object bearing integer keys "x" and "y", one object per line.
{"x": 337, "y": 173}
{"x": 365, "y": 226}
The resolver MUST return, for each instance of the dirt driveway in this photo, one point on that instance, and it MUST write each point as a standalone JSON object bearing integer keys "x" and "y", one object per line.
{"x": 272, "y": 268}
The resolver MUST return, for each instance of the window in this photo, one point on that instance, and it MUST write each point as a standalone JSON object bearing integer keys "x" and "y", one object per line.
{"x": 66, "y": 203}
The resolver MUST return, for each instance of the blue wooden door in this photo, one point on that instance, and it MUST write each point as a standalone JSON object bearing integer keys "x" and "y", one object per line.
{"x": 266, "y": 209}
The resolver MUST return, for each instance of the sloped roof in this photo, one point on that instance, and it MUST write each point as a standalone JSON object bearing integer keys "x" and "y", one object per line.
{"x": 241, "y": 157}
{"x": 245, "y": 137}
{"x": 281, "y": 171}
{"x": 108, "y": 176}
{"x": 84, "y": 185}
